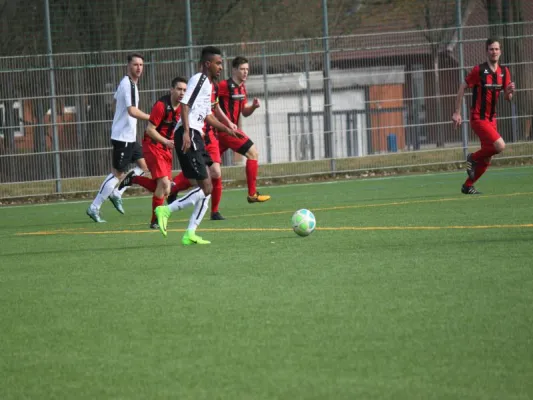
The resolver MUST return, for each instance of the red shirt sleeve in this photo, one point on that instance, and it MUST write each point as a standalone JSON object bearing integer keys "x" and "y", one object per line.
{"x": 157, "y": 114}
{"x": 507, "y": 78}
{"x": 245, "y": 100}
{"x": 472, "y": 79}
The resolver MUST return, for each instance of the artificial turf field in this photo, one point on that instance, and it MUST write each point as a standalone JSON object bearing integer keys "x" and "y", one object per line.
{"x": 407, "y": 290}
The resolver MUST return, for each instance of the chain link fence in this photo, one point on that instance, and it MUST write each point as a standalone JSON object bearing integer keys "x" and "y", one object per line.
{"x": 392, "y": 72}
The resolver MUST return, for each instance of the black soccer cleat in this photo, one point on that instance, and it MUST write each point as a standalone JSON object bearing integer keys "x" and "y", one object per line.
{"x": 469, "y": 190}
{"x": 127, "y": 181}
{"x": 154, "y": 225}
{"x": 216, "y": 216}
{"x": 470, "y": 167}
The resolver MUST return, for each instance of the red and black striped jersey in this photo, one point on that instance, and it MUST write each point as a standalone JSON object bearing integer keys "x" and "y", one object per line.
{"x": 486, "y": 87}
{"x": 164, "y": 117}
{"x": 233, "y": 99}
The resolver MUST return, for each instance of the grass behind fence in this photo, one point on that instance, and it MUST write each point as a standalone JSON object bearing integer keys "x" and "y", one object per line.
{"x": 392, "y": 163}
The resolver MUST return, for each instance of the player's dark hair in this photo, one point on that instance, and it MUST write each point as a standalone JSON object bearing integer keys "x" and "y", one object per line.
{"x": 490, "y": 41}
{"x": 177, "y": 80}
{"x": 208, "y": 53}
{"x": 134, "y": 55}
{"x": 238, "y": 61}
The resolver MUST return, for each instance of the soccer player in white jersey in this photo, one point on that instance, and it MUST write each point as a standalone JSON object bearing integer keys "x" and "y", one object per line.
{"x": 189, "y": 145}
{"x": 126, "y": 150}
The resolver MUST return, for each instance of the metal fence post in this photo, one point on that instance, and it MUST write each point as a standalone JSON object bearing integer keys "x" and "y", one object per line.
{"x": 309, "y": 103}
{"x": 153, "y": 78}
{"x": 188, "y": 26}
{"x": 328, "y": 117}
{"x": 459, "y": 20}
{"x": 57, "y": 163}
{"x": 267, "y": 115}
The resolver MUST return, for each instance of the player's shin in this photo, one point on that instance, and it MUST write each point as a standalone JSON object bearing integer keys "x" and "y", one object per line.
{"x": 106, "y": 189}
{"x": 156, "y": 202}
{"x": 198, "y": 214}
{"x": 251, "y": 176}
{"x": 216, "y": 194}
{"x": 188, "y": 200}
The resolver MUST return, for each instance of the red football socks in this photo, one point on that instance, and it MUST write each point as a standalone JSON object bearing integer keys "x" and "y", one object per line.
{"x": 156, "y": 202}
{"x": 484, "y": 152}
{"x": 481, "y": 167}
{"x": 181, "y": 183}
{"x": 251, "y": 175}
{"x": 147, "y": 183}
{"x": 216, "y": 194}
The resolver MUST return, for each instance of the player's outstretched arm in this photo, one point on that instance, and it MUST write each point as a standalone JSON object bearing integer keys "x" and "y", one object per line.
{"x": 185, "y": 109}
{"x": 509, "y": 90}
{"x": 154, "y": 134}
{"x": 249, "y": 109}
{"x": 219, "y": 114}
{"x": 456, "y": 117}
{"x": 211, "y": 120}
{"x": 136, "y": 113}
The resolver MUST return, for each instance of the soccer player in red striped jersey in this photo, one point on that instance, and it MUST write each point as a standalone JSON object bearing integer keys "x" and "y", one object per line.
{"x": 158, "y": 144}
{"x": 234, "y": 103}
{"x": 487, "y": 81}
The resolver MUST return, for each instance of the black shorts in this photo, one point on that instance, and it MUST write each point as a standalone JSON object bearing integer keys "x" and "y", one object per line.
{"x": 125, "y": 153}
{"x": 194, "y": 163}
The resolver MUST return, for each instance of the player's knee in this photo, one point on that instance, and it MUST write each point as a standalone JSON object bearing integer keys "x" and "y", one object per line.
{"x": 207, "y": 186}
{"x": 207, "y": 189}
{"x": 252, "y": 153}
{"x": 214, "y": 171}
{"x": 499, "y": 145}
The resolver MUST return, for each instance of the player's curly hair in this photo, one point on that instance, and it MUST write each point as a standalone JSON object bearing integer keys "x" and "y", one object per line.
{"x": 208, "y": 53}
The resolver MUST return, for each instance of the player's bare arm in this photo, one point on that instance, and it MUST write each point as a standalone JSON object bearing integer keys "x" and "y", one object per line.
{"x": 136, "y": 113}
{"x": 185, "y": 109}
{"x": 154, "y": 134}
{"x": 249, "y": 109}
{"x": 456, "y": 117}
{"x": 219, "y": 114}
{"x": 211, "y": 120}
{"x": 509, "y": 90}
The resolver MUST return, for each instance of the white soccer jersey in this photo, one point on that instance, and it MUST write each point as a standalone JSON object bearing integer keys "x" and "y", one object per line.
{"x": 198, "y": 98}
{"x": 124, "y": 125}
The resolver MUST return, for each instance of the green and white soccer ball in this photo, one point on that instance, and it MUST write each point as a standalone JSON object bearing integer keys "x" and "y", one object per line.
{"x": 303, "y": 222}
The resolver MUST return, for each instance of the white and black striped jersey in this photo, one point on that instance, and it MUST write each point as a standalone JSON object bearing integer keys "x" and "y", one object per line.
{"x": 125, "y": 126}
{"x": 198, "y": 98}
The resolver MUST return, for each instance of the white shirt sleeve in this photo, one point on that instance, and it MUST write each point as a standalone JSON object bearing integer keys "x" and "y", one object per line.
{"x": 127, "y": 93}
{"x": 193, "y": 89}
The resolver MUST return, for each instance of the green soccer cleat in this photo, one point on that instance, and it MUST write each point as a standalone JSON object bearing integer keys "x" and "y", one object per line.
{"x": 163, "y": 214}
{"x": 191, "y": 237}
{"x": 94, "y": 215}
{"x": 117, "y": 203}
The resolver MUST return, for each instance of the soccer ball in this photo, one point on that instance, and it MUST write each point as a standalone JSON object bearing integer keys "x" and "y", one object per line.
{"x": 303, "y": 222}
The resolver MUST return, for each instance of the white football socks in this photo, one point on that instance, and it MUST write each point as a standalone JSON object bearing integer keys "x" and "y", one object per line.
{"x": 197, "y": 216}
{"x": 105, "y": 190}
{"x": 190, "y": 199}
